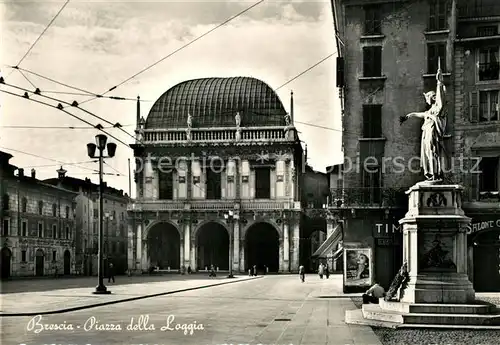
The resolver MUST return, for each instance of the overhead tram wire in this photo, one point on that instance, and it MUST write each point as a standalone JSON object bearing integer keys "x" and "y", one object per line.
{"x": 74, "y": 104}
{"x": 46, "y": 158}
{"x": 59, "y": 107}
{"x": 82, "y": 92}
{"x": 57, "y": 127}
{"x": 54, "y": 165}
{"x": 39, "y": 37}
{"x": 177, "y": 50}
{"x": 112, "y": 167}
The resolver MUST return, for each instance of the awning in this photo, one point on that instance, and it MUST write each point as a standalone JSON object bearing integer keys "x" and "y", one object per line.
{"x": 330, "y": 243}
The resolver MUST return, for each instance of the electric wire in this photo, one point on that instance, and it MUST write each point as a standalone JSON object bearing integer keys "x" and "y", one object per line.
{"x": 46, "y": 158}
{"x": 177, "y": 50}
{"x": 53, "y": 165}
{"x": 57, "y": 127}
{"x": 43, "y": 32}
{"x": 74, "y": 104}
{"x": 59, "y": 107}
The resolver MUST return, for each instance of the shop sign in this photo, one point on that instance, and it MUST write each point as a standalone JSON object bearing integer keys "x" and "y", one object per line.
{"x": 382, "y": 229}
{"x": 484, "y": 225}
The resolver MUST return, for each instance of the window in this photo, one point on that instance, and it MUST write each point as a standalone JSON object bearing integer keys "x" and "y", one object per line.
{"x": 40, "y": 207}
{"x": 23, "y": 256}
{"x": 40, "y": 229}
{"x": 491, "y": 30}
{"x": 67, "y": 233}
{"x": 436, "y": 52}
{"x": 372, "y": 20}
{"x": 54, "y": 231}
{"x": 123, "y": 216}
{"x": 24, "y": 205}
{"x": 5, "y": 202}
{"x": 114, "y": 215}
{"x": 488, "y": 177}
{"x": 371, "y": 184}
{"x": 24, "y": 228}
{"x": 6, "y": 226}
{"x": 213, "y": 180}
{"x": 54, "y": 255}
{"x": 54, "y": 210}
{"x": 96, "y": 213}
{"x": 94, "y": 228}
{"x": 262, "y": 183}
{"x": 67, "y": 211}
{"x": 372, "y": 121}
{"x": 372, "y": 61}
{"x": 488, "y": 106}
{"x": 437, "y": 17}
{"x": 488, "y": 67}
{"x": 60, "y": 233}
{"x": 165, "y": 184}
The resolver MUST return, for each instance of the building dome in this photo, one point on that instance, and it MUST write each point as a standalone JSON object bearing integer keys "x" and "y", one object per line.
{"x": 214, "y": 102}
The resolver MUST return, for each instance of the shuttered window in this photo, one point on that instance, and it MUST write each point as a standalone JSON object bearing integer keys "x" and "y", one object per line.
{"x": 436, "y": 52}
{"x": 372, "y": 61}
{"x": 473, "y": 107}
{"x": 372, "y": 121}
{"x": 437, "y": 15}
{"x": 373, "y": 22}
{"x": 488, "y": 106}
{"x": 165, "y": 184}
{"x": 371, "y": 185}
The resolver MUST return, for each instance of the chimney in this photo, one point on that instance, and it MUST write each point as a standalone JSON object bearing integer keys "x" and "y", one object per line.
{"x": 61, "y": 173}
{"x": 20, "y": 172}
{"x": 33, "y": 173}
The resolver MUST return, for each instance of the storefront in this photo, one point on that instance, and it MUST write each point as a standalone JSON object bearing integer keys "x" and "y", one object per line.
{"x": 484, "y": 252}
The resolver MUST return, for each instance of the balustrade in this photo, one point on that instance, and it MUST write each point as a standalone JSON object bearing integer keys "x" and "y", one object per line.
{"x": 215, "y": 134}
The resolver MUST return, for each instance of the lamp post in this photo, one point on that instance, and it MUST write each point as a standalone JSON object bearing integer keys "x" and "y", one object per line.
{"x": 91, "y": 150}
{"x": 230, "y": 217}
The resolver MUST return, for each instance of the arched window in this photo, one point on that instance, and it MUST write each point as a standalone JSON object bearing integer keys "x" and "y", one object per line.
{"x": 40, "y": 207}
{"x": 67, "y": 233}
{"x": 54, "y": 210}
{"x": 24, "y": 205}
{"x": 67, "y": 211}
{"x": 5, "y": 202}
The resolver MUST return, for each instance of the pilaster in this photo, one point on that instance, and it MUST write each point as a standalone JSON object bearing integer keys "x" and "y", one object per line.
{"x": 236, "y": 246}
{"x": 194, "y": 265}
{"x": 242, "y": 255}
{"x": 286, "y": 247}
{"x": 296, "y": 243}
{"x": 187, "y": 245}
{"x": 189, "y": 181}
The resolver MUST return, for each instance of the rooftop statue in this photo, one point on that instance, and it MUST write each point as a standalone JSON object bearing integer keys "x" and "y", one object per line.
{"x": 189, "y": 121}
{"x": 237, "y": 118}
{"x": 432, "y": 151}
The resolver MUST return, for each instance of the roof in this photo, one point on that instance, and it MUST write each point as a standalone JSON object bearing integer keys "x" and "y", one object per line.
{"x": 214, "y": 102}
{"x": 75, "y": 184}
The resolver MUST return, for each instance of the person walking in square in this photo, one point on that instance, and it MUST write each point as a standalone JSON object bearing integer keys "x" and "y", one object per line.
{"x": 302, "y": 273}
{"x": 320, "y": 270}
{"x": 327, "y": 272}
{"x": 111, "y": 273}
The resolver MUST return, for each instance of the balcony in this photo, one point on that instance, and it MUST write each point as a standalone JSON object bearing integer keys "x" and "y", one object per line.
{"x": 213, "y": 135}
{"x": 211, "y": 205}
{"x": 368, "y": 198}
{"x": 479, "y": 9}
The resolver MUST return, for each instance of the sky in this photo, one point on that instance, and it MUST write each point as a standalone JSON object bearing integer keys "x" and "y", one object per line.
{"x": 94, "y": 45}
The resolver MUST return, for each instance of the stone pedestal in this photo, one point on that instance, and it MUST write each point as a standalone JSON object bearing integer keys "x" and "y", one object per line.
{"x": 435, "y": 246}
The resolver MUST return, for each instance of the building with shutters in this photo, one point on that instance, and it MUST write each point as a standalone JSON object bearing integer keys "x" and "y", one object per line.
{"x": 37, "y": 225}
{"x": 218, "y": 166}
{"x": 388, "y": 57}
{"x": 115, "y": 224}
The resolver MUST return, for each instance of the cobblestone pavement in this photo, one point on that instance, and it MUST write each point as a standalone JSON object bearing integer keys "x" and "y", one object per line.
{"x": 270, "y": 310}
{"x": 77, "y": 298}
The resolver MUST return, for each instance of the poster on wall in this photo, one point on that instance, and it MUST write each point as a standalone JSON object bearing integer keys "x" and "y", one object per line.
{"x": 357, "y": 267}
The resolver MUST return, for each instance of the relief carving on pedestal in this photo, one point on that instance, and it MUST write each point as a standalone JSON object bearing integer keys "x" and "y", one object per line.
{"x": 436, "y": 200}
{"x": 436, "y": 255}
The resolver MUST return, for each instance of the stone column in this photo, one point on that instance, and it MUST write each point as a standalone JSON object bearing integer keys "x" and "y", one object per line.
{"x": 182, "y": 254}
{"x": 236, "y": 246}
{"x": 296, "y": 244}
{"x": 242, "y": 255}
{"x": 194, "y": 264}
{"x": 189, "y": 181}
{"x": 148, "y": 179}
{"x": 130, "y": 246}
{"x": 286, "y": 247}
{"x": 237, "y": 179}
{"x": 187, "y": 245}
{"x": 139, "y": 246}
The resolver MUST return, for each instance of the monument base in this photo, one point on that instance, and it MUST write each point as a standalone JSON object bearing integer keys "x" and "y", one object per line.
{"x": 453, "y": 288}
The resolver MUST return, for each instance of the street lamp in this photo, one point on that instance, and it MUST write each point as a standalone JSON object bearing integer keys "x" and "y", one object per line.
{"x": 230, "y": 217}
{"x": 91, "y": 150}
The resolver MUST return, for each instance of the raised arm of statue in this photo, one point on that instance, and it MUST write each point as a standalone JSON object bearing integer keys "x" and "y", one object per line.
{"x": 440, "y": 88}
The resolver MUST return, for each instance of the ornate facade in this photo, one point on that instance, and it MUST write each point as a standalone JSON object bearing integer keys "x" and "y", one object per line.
{"x": 218, "y": 164}
{"x": 37, "y": 225}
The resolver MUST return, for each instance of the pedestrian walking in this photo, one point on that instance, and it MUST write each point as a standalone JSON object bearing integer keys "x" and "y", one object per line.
{"x": 302, "y": 273}
{"x": 189, "y": 270}
{"x": 327, "y": 272}
{"x": 255, "y": 270}
{"x": 320, "y": 270}
{"x": 111, "y": 273}
{"x": 212, "y": 271}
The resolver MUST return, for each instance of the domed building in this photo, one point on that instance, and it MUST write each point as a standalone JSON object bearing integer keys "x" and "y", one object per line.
{"x": 218, "y": 164}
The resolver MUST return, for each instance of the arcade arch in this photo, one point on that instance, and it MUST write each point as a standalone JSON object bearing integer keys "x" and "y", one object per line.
{"x": 262, "y": 247}
{"x": 164, "y": 245}
{"x": 212, "y": 245}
